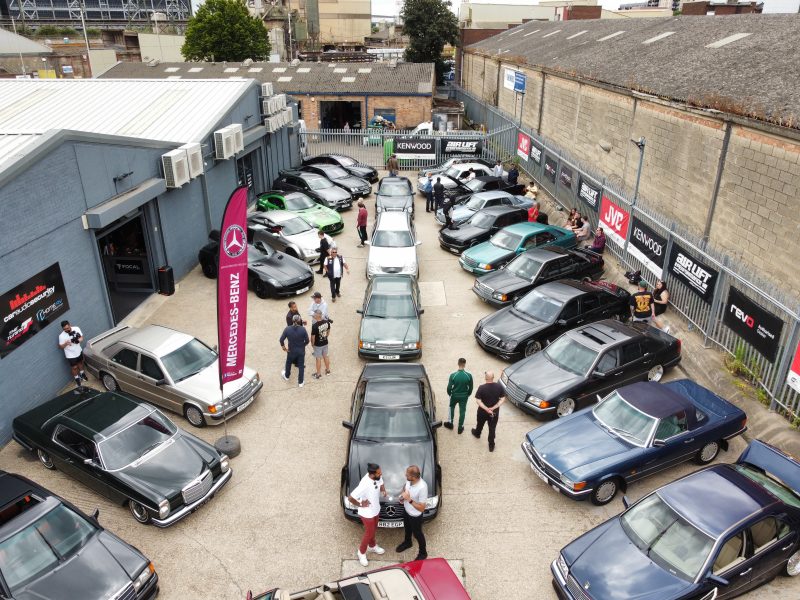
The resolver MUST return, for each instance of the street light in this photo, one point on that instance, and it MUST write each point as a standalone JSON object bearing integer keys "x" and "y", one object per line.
{"x": 640, "y": 143}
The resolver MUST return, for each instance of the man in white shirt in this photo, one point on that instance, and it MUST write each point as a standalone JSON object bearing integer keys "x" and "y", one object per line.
{"x": 318, "y": 304}
{"x": 69, "y": 340}
{"x": 335, "y": 266}
{"x": 472, "y": 174}
{"x": 367, "y": 497}
{"x": 414, "y": 496}
{"x": 498, "y": 169}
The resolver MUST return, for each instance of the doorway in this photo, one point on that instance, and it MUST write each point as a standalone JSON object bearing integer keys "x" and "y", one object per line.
{"x": 248, "y": 176}
{"x": 335, "y": 114}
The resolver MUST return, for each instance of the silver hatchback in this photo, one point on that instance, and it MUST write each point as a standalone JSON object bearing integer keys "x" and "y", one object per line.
{"x": 170, "y": 369}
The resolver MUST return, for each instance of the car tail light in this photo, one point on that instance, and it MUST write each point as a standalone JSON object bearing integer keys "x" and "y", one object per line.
{"x": 679, "y": 346}
{"x": 744, "y": 422}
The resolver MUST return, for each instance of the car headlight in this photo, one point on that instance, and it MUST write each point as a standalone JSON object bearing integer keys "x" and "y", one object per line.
{"x": 486, "y": 266}
{"x": 410, "y": 267}
{"x": 215, "y": 408}
{"x": 561, "y": 565}
{"x": 378, "y": 209}
{"x": 499, "y": 296}
{"x": 408, "y": 209}
{"x": 366, "y": 345}
{"x": 272, "y": 281}
{"x": 256, "y": 379}
{"x": 432, "y": 502}
{"x": 144, "y": 577}
{"x": 349, "y": 505}
{"x": 163, "y": 509}
{"x": 509, "y": 344}
{"x": 573, "y": 485}
{"x": 411, "y": 346}
{"x": 224, "y": 463}
{"x": 503, "y": 378}
{"x": 538, "y": 402}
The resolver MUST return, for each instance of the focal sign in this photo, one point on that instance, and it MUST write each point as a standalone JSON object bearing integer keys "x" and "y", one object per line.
{"x": 648, "y": 246}
{"x": 415, "y": 148}
{"x": 614, "y": 220}
{"x": 757, "y": 326}
{"x": 698, "y": 277}
{"x": 459, "y": 146}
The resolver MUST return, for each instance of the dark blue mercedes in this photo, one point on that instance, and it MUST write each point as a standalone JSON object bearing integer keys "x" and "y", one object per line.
{"x": 712, "y": 535}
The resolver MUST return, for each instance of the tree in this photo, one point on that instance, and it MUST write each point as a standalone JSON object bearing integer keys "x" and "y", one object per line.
{"x": 429, "y": 24}
{"x": 223, "y": 30}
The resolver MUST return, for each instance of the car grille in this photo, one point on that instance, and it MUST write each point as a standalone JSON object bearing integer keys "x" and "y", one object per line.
{"x": 239, "y": 396}
{"x": 516, "y": 393}
{"x": 490, "y": 339}
{"x": 198, "y": 488}
{"x": 470, "y": 262}
{"x": 392, "y": 511}
{"x": 333, "y": 228}
{"x": 127, "y": 593}
{"x": 576, "y": 590}
{"x": 483, "y": 289}
{"x": 297, "y": 283}
{"x": 541, "y": 464}
{"x": 389, "y": 347}
{"x": 391, "y": 269}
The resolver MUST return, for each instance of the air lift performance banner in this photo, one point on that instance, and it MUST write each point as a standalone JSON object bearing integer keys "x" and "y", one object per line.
{"x": 755, "y": 325}
{"x": 232, "y": 288}
{"x": 698, "y": 277}
{"x": 415, "y": 148}
{"x": 649, "y": 247}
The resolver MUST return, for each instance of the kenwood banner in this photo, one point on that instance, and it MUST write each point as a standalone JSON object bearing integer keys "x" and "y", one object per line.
{"x": 460, "y": 146}
{"x": 614, "y": 221}
{"x": 415, "y": 148}
{"x": 550, "y": 168}
{"x": 31, "y": 306}
{"x": 232, "y": 288}
{"x": 648, "y": 246}
{"x": 589, "y": 193}
{"x": 699, "y": 278}
{"x": 757, "y": 326}
{"x": 523, "y": 146}
{"x": 536, "y": 152}
{"x": 566, "y": 177}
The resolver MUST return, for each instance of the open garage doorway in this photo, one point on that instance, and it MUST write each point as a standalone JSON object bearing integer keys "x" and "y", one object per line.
{"x": 335, "y": 114}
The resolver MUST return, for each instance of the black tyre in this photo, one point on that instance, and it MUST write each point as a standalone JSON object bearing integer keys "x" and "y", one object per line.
{"x": 707, "y": 453}
{"x": 261, "y": 289}
{"x": 46, "y": 460}
{"x": 109, "y": 382}
{"x": 139, "y": 512}
{"x": 194, "y": 415}
{"x": 605, "y": 492}
{"x": 565, "y": 408}
{"x": 532, "y": 348}
{"x": 210, "y": 270}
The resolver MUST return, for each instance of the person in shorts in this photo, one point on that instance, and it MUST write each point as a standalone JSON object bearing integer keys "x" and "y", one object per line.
{"x": 320, "y": 330}
{"x": 69, "y": 340}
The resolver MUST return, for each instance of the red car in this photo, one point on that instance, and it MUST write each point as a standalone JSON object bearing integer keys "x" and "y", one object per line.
{"x": 430, "y": 579}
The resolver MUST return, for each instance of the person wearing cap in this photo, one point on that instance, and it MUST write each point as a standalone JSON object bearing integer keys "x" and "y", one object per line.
{"x": 320, "y": 330}
{"x": 297, "y": 336}
{"x": 643, "y": 306}
{"x": 318, "y": 304}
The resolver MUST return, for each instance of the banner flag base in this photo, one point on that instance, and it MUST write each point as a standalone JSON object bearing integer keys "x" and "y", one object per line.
{"x": 230, "y": 445}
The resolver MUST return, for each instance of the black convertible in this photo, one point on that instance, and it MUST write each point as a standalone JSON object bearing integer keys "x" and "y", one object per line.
{"x": 483, "y": 183}
{"x": 480, "y": 227}
{"x": 393, "y": 423}
{"x": 127, "y": 450}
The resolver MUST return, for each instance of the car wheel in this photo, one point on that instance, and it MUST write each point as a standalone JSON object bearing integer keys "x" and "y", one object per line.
{"x": 793, "y": 565}
{"x": 565, "y": 407}
{"x": 707, "y": 453}
{"x": 139, "y": 512}
{"x": 473, "y": 243}
{"x": 586, "y": 280}
{"x": 655, "y": 373}
{"x": 109, "y": 382}
{"x": 605, "y": 492}
{"x": 194, "y": 415}
{"x": 532, "y": 348}
{"x": 46, "y": 460}
{"x": 210, "y": 270}
{"x": 261, "y": 289}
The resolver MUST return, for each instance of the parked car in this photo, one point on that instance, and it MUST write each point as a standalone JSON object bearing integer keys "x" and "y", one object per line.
{"x": 511, "y": 241}
{"x": 318, "y": 216}
{"x": 430, "y": 579}
{"x": 457, "y": 173}
{"x": 318, "y": 187}
{"x": 456, "y": 160}
{"x": 395, "y": 193}
{"x": 535, "y": 267}
{"x": 271, "y": 274}
{"x": 357, "y": 186}
{"x": 588, "y": 362}
{"x": 390, "y": 327}
{"x": 483, "y": 183}
{"x": 284, "y": 231}
{"x": 715, "y": 534}
{"x": 548, "y": 311}
{"x": 634, "y": 432}
{"x": 126, "y": 450}
{"x": 464, "y": 211}
{"x": 392, "y": 423}
{"x": 171, "y": 369}
{"x": 349, "y": 164}
{"x": 393, "y": 247}
{"x": 50, "y": 549}
{"x": 480, "y": 226}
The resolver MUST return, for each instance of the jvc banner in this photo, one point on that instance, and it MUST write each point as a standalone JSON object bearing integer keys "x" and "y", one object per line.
{"x": 550, "y": 168}
{"x": 649, "y": 247}
{"x": 415, "y": 148}
{"x": 698, "y": 277}
{"x": 589, "y": 193}
{"x": 523, "y": 146}
{"x": 232, "y": 288}
{"x": 757, "y": 326}
{"x": 614, "y": 220}
{"x": 460, "y": 146}
{"x": 30, "y": 307}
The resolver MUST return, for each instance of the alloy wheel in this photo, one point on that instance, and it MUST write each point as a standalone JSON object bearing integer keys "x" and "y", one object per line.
{"x": 656, "y": 373}
{"x": 565, "y": 407}
{"x": 109, "y": 382}
{"x": 533, "y": 348}
{"x": 45, "y": 459}
{"x": 605, "y": 492}
{"x": 708, "y": 453}
{"x": 139, "y": 512}
{"x": 793, "y": 565}
{"x": 194, "y": 415}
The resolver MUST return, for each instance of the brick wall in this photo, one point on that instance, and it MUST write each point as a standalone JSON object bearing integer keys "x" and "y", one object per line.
{"x": 513, "y": 103}
{"x": 560, "y": 110}
{"x": 410, "y": 110}
{"x": 694, "y": 8}
{"x": 575, "y": 13}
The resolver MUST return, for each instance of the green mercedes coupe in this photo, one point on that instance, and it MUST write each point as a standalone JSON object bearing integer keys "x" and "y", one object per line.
{"x": 318, "y": 216}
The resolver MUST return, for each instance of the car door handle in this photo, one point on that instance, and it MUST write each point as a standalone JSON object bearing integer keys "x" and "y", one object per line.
{"x": 743, "y": 573}
{"x": 785, "y": 548}
{"x": 688, "y": 441}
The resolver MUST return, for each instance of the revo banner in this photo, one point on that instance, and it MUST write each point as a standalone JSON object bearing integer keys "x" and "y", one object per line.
{"x": 416, "y": 148}
{"x": 698, "y": 277}
{"x": 757, "y": 326}
{"x": 232, "y": 288}
{"x": 30, "y": 307}
{"x": 589, "y": 193}
{"x": 460, "y": 146}
{"x": 523, "y": 146}
{"x": 648, "y": 246}
{"x": 614, "y": 220}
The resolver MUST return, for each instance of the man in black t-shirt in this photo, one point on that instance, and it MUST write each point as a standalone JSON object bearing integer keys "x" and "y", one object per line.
{"x": 320, "y": 330}
{"x": 643, "y": 306}
{"x": 490, "y": 397}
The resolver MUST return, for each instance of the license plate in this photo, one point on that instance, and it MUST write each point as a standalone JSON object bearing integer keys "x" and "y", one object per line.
{"x": 390, "y": 524}
{"x": 540, "y": 476}
{"x": 555, "y": 488}
{"x": 304, "y": 290}
{"x": 389, "y": 356}
{"x": 484, "y": 299}
{"x": 245, "y": 405}
{"x": 453, "y": 250}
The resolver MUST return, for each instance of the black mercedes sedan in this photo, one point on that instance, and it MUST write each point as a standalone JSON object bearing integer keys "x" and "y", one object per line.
{"x": 480, "y": 227}
{"x": 535, "y": 267}
{"x": 126, "y": 450}
{"x": 393, "y": 423}
{"x": 546, "y": 312}
{"x": 395, "y": 193}
{"x": 318, "y": 187}
{"x": 271, "y": 274}
{"x": 357, "y": 186}
{"x": 587, "y": 363}
{"x": 483, "y": 183}
{"x": 349, "y": 164}
{"x": 50, "y": 549}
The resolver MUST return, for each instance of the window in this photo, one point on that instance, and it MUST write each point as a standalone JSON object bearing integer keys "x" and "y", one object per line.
{"x": 590, "y": 302}
{"x": 76, "y": 443}
{"x": 506, "y": 201}
{"x": 631, "y": 352}
{"x": 570, "y": 310}
{"x": 150, "y": 368}
{"x": 386, "y": 113}
{"x": 767, "y": 531}
{"x": 127, "y": 358}
{"x": 609, "y": 362}
{"x": 531, "y": 242}
{"x": 731, "y": 554}
{"x": 671, "y": 426}
{"x": 492, "y": 202}
{"x": 544, "y": 238}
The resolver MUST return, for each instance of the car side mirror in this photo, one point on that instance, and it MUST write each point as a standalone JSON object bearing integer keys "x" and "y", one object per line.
{"x": 367, "y": 243}
{"x": 88, "y": 461}
{"x": 600, "y": 374}
{"x": 717, "y": 579}
{"x": 421, "y": 311}
{"x": 214, "y": 348}
{"x": 96, "y": 514}
{"x": 347, "y": 424}
{"x": 625, "y": 502}
{"x": 561, "y": 322}
{"x": 161, "y": 381}
{"x": 359, "y": 311}
{"x": 659, "y": 443}
{"x": 418, "y": 243}
{"x": 436, "y": 424}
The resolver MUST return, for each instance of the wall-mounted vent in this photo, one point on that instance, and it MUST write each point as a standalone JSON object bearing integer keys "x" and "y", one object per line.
{"x": 176, "y": 168}
{"x": 194, "y": 155}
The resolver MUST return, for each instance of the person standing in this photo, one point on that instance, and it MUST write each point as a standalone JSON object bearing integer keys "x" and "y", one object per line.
{"x": 367, "y": 497}
{"x": 393, "y": 166}
{"x": 320, "y": 330}
{"x": 490, "y": 397}
{"x": 513, "y": 174}
{"x": 438, "y": 193}
{"x": 318, "y": 304}
{"x": 533, "y": 212}
{"x": 297, "y": 337}
{"x": 324, "y": 247}
{"x": 335, "y": 266}
{"x": 292, "y": 312}
{"x": 497, "y": 171}
{"x": 414, "y": 496}
{"x": 427, "y": 189}
{"x": 361, "y": 223}
{"x": 642, "y": 303}
{"x": 69, "y": 340}
{"x": 471, "y": 174}
{"x": 447, "y": 210}
{"x": 459, "y": 388}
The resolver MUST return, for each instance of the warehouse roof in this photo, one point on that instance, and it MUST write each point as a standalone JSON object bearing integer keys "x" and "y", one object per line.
{"x": 303, "y": 78}
{"x": 12, "y": 44}
{"x": 743, "y": 64}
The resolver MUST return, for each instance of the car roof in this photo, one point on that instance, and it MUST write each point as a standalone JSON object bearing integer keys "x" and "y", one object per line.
{"x": 500, "y": 209}
{"x": 395, "y": 179}
{"x": 381, "y": 370}
{"x": 156, "y": 339}
{"x": 104, "y": 414}
{"x": 489, "y": 194}
{"x": 563, "y": 289}
{"x": 322, "y": 167}
{"x": 393, "y": 220}
{"x": 655, "y": 399}
{"x": 603, "y": 334}
{"x": 528, "y": 227}
{"x": 547, "y": 253}
{"x": 13, "y": 487}
{"x": 468, "y": 165}
{"x": 391, "y": 284}
{"x": 392, "y": 393}
{"x": 488, "y": 178}
{"x": 276, "y": 216}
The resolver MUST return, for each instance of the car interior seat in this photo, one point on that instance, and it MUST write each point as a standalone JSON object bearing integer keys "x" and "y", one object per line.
{"x": 377, "y": 589}
{"x": 729, "y": 555}
{"x": 764, "y": 532}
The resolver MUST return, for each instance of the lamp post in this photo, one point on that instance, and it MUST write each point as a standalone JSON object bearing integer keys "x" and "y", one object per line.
{"x": 640, "y": 143}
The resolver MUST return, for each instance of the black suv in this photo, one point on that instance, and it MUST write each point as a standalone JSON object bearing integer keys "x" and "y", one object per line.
{"x": 480, "y": 227}
{"x": 535, "y": 267}
{"x": 349, "y": 164}
{"x": 316, "y": 186}
{"x": 483, "y": 183}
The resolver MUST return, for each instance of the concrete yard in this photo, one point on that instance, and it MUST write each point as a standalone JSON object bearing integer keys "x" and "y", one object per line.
{"x": 279, "y": 522}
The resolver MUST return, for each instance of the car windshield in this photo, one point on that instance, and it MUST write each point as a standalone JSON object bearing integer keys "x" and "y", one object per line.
{"x": 525, "y": 267}
{"x": 318, "y": 183}
{"x": 346, "y": 161}
{"x": 481, "y": 220}
{"x": 298, "y": 202}
{"x": 539, "y": 306}
{"x": 390, "y": 306}
{"x": 772, "y": 484}
{"x": 133, "y": 442}
{"x": 391, "y": 424}
{"x": 666, "y": 538}
{"x": 506, "y": 240}
{"x": 475, "y": 203}
{"x": 475, "y": 184}
{"x": 295, "y": 226}
{"x": 392, "y": 239}
{"x": 40, "y": 547}
{"x": 336, "y": 173}
{"x": 570, "y": 355}
{"x": 624, "y": 420}
{"x": 394, "y": 189}
{"x": 257, "y": 252}
{"x": 188, "y": 360}
{"x": 453, "y": 172}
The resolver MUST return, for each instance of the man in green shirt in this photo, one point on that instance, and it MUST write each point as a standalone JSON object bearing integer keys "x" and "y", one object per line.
{"x": 459, "y": 388}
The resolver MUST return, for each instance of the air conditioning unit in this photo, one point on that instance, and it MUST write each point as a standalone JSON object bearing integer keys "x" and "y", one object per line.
{"x": 194, "y": 155}
{"x": 288, "y": 115}
{"x": 266, "y": 89}
{"x": 176, "y": 168}
{"x": 238, "y": 136}
{"x": 280, "y": 99}
{"x": 272, "y": 124}
{"x": 224, "y": 144}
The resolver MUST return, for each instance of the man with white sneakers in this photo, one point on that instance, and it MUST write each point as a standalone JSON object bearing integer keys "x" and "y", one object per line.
{"x": 367, "y": 497}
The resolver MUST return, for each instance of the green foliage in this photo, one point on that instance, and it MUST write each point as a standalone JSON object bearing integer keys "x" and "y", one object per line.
{"x": 223, "y": 30}
{"x": 736, "y": 364}
{"x": 429, "y": 24}
{"x": 67, "y": 31}
{"x": 47, "y": 31}
{"x": 93, "y": 32}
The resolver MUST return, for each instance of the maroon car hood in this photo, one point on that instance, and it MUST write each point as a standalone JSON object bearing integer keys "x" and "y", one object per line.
{"x": 436, "y": 579}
